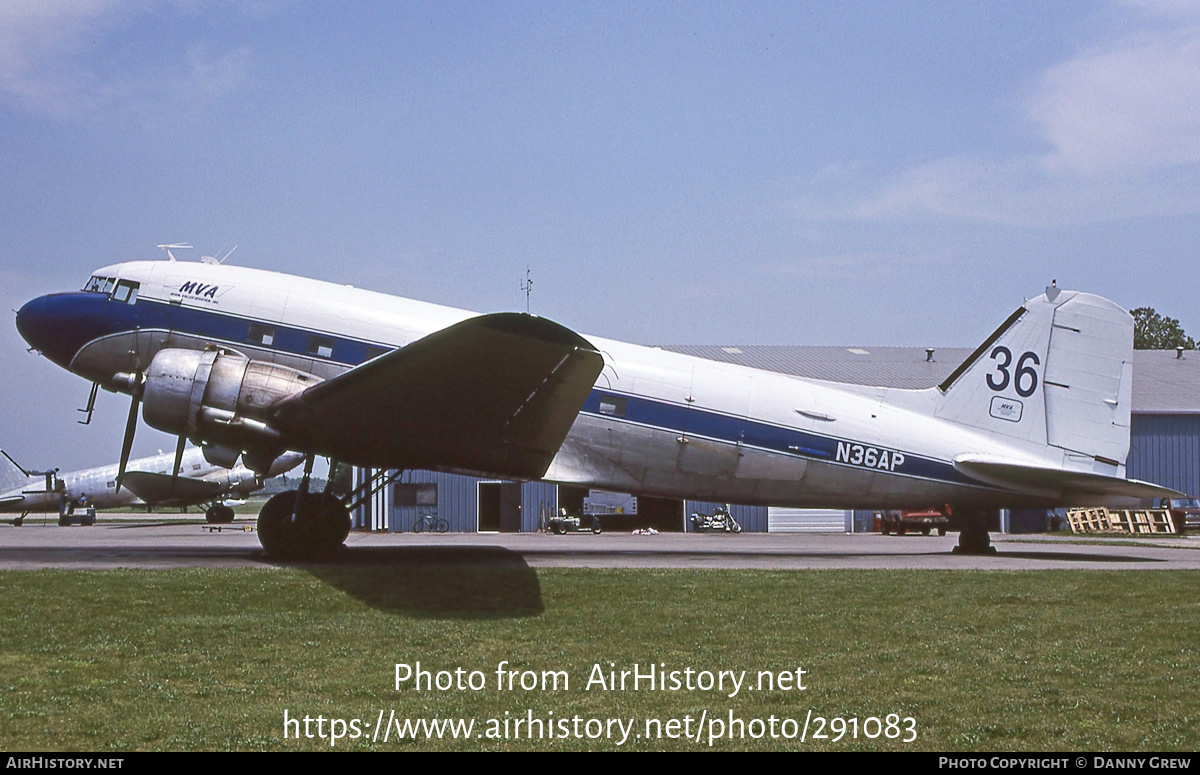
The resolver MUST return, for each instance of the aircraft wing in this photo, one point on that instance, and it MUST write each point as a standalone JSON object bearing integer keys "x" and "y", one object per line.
{"x": 494, "y": 394}
{"x": 157, "y": 488}
{"x": 1078, "y": 486}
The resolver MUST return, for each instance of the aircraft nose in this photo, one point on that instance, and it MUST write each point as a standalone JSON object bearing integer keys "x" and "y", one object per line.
{"x": 49, "y": 325}
{"x": 32, "y": 322}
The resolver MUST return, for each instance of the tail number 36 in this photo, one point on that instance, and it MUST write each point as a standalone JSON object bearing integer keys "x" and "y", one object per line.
{"x": 1024, "y": 378}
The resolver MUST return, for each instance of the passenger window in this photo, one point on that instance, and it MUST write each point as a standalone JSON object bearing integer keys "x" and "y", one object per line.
{"x": 260, "y": 334}
{"x": 321, "y": 346}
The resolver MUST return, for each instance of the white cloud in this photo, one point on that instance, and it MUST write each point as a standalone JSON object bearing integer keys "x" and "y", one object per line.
{"x": 54, "y": 61}
{"x": 38, "y": 41}
{"x": 1121, "y": 121}
{"x": 1132, "y": 106}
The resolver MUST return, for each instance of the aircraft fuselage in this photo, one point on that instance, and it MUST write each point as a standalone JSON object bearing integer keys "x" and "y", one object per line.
{"x": 655, "y": 423}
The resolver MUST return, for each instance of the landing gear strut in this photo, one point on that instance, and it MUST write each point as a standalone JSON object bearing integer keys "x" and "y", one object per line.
{"x": 974, "y": 538}
{"x": 299, "y": 525}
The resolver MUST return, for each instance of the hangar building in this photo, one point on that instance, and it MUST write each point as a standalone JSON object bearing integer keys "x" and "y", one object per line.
{"x": 1165, "y": 449}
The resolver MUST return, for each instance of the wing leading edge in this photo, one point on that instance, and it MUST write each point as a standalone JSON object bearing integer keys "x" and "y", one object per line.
{"x": 494, "y": 394}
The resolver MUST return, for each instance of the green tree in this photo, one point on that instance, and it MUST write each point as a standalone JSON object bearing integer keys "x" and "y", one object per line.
{"x": 1152, "y": 331}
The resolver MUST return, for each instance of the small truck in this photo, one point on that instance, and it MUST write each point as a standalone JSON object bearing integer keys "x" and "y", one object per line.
{"x": 923, "y": 522}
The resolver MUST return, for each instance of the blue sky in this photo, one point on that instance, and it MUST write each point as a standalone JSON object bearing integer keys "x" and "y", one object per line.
{"x": 879, "y": 173}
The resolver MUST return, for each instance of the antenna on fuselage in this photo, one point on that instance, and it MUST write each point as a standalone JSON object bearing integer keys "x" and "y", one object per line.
{"x": 177, "y": 246}
{"x": 215, "y": 260}
{"x": 527, "y": 286}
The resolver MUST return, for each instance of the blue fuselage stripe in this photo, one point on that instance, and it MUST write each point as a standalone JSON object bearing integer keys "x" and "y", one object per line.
{"x": 732, "y": 429}
{"x": 94, "y": 315}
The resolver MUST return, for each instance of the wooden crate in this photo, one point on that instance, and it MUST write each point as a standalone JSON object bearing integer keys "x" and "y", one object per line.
{"x": 1138, "y": 521}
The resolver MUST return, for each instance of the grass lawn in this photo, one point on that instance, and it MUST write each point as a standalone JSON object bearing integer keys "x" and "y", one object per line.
{"x": 211, "y": 659}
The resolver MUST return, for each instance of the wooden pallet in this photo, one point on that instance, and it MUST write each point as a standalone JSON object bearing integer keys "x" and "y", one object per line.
{"x": 1102, "y": 520}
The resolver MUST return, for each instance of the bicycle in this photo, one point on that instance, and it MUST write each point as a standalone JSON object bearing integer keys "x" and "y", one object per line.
{"x": 428, "y": 523}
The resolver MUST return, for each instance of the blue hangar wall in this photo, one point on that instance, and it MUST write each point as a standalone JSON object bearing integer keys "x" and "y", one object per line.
{"x": 470, "y": 504}
{"x": 1165, "y": 449}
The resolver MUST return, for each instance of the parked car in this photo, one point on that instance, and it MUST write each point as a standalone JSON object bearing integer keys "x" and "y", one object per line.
{"x": 1185, "y": 512}
{"x": 923, "y": 522}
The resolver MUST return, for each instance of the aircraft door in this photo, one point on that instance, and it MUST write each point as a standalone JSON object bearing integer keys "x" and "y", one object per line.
{"x": 714, "y": 430}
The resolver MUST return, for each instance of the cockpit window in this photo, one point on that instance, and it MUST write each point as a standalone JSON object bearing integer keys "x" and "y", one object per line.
{"x": 126, "y": 291}
{"x": 96, "y": 284}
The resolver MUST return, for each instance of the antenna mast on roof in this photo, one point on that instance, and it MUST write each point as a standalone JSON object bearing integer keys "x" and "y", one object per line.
{"x": 527, "y": 286}
{"x": 177, "y": 246}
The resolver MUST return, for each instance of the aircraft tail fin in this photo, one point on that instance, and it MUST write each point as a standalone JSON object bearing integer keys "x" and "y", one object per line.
{"x": 11, "y": 475}
{"x": 1057, "y": 372}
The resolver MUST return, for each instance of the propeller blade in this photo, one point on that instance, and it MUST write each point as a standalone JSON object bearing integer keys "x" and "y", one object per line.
{"x": 127, "y": 444}
{"x": 178, "y": 461}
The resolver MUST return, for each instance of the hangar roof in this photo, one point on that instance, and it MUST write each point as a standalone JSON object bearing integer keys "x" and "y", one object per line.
{"x": 1162, "y": 383}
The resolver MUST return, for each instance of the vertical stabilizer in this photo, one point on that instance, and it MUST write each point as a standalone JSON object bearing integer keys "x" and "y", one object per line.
{"x": 11, "y": 476}
{"x": 1058, "y": 372}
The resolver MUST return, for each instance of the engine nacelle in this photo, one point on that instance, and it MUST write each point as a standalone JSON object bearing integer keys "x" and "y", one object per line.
{"x": 236, "y": 482}
{"x": 216, "y": 396}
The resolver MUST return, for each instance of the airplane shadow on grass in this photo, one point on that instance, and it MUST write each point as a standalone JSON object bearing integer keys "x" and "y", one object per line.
{"x": 462, "y": 582}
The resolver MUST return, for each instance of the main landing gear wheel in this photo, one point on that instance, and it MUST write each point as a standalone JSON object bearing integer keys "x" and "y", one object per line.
{"x": 311, "y": 529}
{"x": 974, "y": 538}
{"x": 218, "y": 515}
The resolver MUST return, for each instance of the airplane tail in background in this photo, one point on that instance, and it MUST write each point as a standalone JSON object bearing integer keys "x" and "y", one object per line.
{"x": 1058, "y": 372}
{"x": 11, "y": 476}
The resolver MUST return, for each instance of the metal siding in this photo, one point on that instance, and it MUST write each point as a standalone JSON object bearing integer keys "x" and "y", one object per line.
{"x": 783, "y": 520}
{"x": 537, "y": 497}
{"x": 1165, "y": 449}
{"x": 457, "y": 500}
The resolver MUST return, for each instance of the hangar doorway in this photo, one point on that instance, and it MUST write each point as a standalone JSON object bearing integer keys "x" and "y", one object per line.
{"x": 499, "y": 507}
{"x": 663, "y": 514}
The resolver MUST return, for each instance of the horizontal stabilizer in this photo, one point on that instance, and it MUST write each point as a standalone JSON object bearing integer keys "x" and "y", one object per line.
{"x": 1071, "y": 487}
{"x": 158, "y": 489}
{"x": 494, "y": 394}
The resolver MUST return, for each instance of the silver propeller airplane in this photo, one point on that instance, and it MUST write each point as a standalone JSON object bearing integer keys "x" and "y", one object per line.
{"x": 147, "y": 482}
{"x": 253, "y": 363}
